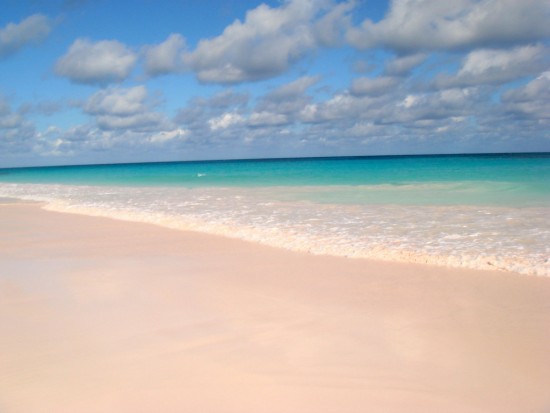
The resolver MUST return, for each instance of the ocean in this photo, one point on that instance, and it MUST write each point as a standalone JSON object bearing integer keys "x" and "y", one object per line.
{"x": 474, "y": 211}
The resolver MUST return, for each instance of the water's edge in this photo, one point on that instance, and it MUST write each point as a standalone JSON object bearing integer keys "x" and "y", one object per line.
{"x": 455, "y": 237}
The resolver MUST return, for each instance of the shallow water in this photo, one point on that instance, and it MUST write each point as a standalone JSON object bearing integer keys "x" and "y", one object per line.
{"x": 474, "y": 212}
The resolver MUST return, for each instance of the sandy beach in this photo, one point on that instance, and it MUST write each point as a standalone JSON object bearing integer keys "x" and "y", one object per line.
{"x": 101, "y": 316}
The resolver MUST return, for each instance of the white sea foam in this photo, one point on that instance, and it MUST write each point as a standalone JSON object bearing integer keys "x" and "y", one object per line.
{"x": 482, "y": 237}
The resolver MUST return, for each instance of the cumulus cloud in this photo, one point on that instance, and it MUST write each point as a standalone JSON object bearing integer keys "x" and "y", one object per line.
{"x": 171, "y": 135}
{"x": 225, "y": 120}
{"x": 165, "y": 57}
{"x": 445, "y": 104}
{"x": 338, "y": 107}
{"x": 373, "y": 86}
{"x": 224, "y": 100}
{"x": 284, "y": 102}
{"x": 201, "y": 113}
{"x": 399, "y": 107}
{"x": 413, "y": 25}
{"x": 489, "y": 66}
{"x": 416, "y": 98}
{"x": 143, "y": 121}
{"x": 16, "y": 132}
{"x": 226, "y": 115}
{"x": 124, "y": 108}
{"x": 46, "y": 107}
{"x": 98, "y": 63}
{"x": 8, "y": 118}
{"x": 401, "y": 66}
{"x": 330, "y": 28}
{"x": 264, "y": 45}
{"x": 293, "y": 89}
{"x": 117, "y": 102}
{"x": 90, "y": 143}
{"x": 15, "y": 36}
{"x": 267, "y": 119}
{"x": 531, "y": 100}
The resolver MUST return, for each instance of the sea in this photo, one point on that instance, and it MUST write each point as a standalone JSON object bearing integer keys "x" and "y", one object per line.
{"x": 489, "y": 211}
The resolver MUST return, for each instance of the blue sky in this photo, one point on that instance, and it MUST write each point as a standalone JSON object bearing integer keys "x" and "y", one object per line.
{"x": 132, "y": 81}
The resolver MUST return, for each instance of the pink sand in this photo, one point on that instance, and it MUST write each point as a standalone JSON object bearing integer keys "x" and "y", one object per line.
{"x": 99, "y": 316}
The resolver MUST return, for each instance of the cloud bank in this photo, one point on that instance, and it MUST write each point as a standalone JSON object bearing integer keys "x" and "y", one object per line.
{"x": 282, "y": 80}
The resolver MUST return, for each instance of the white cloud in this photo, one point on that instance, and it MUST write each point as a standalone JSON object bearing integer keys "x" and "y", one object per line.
{"x": 264, "y": 45}
{"x": 373, "y": 86}
{"x": 225, "y": 121}
{"x": 17, "y": 134}
{"x": 88, "y": 143}
{"x": 284, "y": 102}
{"x": 8, "y": 118}
{"x": 142, "y": 121}
{"x": 531, "y": 100}
{"x": 225, "y": 99}
{"x": 45, "y": 107}
{"x": 401, "y": 66}
{"x": 409, "y": 101}
{"x": 117, "y": 101}
{"x": 446, "y": 104}
{"x": 400, "y": 107}
{"x": 201, "y": 113}
{"x": 481, "y": 62}
{"x": 98, "y": 63}
{"x": 165, "y": 57}
{"x": 293, "y": 89}
{"x": 165, "y": 136}
{"x": 14, "y": 36}
{"x": 340, "y": 106}
{"x": 124, "y": 108}
{"x": 489, "y": 66}
{"x": 267, "y": 119}
{"x": 10, "y": 121}
{"x": 330, "y": 28}
{"x": 413, "y": 25}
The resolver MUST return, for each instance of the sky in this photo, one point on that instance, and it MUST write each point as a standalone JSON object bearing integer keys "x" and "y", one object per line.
{"x": 145, "y": 81}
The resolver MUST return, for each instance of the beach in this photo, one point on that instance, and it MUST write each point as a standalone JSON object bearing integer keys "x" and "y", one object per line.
{"x": 282, "y": 206}
{"x": 102, "y": 315}
{"x": 481, "y": 212}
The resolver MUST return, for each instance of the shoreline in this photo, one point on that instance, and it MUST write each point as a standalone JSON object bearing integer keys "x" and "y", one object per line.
{"x": 102, "y": 315}
{"x": 446, "y": 244}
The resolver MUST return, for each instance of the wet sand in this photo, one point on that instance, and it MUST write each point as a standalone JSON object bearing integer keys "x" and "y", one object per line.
{"x": 99, "y": 315}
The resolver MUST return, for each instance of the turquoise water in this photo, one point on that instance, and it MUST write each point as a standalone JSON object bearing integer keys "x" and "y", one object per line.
{"x": 520, "y": 179}
{"x": 476, "y": 211}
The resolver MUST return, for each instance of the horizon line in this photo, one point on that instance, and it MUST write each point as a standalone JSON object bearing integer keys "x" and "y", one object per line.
{"x": 290, "y": 158}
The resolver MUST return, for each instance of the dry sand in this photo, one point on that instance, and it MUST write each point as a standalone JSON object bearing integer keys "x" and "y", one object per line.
{"x": 100, "y": 316}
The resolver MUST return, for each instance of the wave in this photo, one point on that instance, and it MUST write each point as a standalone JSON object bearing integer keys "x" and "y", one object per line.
{"x": 481, "y": 237}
